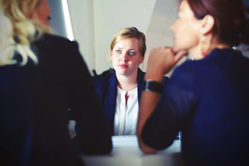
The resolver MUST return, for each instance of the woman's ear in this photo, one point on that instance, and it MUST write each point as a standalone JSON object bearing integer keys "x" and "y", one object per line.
{"x": 141, "y": 60}
{"x": 207, "y": 24}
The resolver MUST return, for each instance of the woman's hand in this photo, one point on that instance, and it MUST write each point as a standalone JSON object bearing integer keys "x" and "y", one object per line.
{"x": 161, "y": 61}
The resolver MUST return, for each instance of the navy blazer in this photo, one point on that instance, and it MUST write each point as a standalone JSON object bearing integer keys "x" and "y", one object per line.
{"x": 208, "y": 100}
{"x": 106, "y": 88}
{"x": 34, "y": 100}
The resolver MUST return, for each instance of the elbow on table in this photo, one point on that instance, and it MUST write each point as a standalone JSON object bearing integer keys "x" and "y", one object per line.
{"x": 146, "y": 149}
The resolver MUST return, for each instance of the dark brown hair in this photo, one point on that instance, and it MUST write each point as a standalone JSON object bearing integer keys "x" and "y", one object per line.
{"x": 231, "y": 26}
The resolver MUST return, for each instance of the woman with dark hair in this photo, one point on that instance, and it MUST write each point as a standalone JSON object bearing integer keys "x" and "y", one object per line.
{"x": 41, "y": 76}
{"x": 207, "y": 98}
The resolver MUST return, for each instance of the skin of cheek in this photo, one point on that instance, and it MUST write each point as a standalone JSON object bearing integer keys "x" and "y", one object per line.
{"x": 186, "y": 29}
{"x": 43, "y": 12}
{"x": 185, "y": 38}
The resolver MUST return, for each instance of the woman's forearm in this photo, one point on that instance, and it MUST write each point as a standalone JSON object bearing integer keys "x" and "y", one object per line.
{"x": 148, "y": 103}
{"x": 160, "y": 62}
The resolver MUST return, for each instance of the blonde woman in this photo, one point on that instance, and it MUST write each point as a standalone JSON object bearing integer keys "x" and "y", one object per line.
{"x": 120, "y": 92}
{"x": 41, "y": 77}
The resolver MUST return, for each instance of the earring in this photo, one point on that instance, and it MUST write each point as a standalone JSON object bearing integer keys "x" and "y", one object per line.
{"x": 203, "y": 49}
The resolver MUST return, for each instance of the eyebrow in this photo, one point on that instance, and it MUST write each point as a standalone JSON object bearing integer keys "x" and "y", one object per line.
{"x": 129, "y": 49}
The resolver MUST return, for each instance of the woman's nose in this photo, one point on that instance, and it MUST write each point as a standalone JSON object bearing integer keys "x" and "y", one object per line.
{"x": 124, "y": 56}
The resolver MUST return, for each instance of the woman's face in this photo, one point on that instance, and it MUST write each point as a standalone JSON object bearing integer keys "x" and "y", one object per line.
{"x": 126, "y": 57}
{"x": 42, "y": 12}
{"x": 186, "y": 29}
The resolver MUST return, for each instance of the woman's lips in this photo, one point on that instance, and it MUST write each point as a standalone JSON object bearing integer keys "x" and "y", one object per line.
{"x": 123, "y": 66}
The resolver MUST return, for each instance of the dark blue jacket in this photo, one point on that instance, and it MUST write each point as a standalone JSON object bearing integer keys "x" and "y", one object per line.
{"x": 208, "y": 100}
{"x": 34, "y": 100}
{"x": 106, "y": 88}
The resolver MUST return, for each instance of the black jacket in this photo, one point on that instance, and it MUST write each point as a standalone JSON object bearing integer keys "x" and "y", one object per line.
{"x": 34, "y": 100}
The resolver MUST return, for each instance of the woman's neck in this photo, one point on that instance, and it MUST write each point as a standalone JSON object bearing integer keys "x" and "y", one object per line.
{"x": 196, "y": 52}
{"x": 127, "y": 83}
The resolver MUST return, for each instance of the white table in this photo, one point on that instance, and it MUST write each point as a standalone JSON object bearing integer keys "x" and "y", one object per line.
{"x": 127, "y": 153}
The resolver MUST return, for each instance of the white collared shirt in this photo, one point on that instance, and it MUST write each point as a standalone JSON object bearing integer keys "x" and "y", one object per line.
{"x": 125, "y": 120}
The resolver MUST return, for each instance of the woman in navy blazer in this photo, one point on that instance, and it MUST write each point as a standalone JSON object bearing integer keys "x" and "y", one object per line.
{"x": 106, "y": 88}
{"x": 207, "y": 98}
{"x": 127, "y": 51}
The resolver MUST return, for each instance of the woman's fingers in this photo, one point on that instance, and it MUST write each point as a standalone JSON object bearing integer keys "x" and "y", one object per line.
{"x": 162, "y": 59}
{"x": 179, "y": 55}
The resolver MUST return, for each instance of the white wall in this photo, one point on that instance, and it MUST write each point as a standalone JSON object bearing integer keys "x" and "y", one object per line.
{"x": 159, "y": 33}
{"x": 95, "y": 22}
{"x": 81, "y": 14}
{"x": 112, "y": 15}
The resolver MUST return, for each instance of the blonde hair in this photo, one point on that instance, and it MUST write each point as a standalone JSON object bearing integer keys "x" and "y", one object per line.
{"x": 129, "y": 32}
{"x": 6, "y": 52}
{"x": 17, "y": 31}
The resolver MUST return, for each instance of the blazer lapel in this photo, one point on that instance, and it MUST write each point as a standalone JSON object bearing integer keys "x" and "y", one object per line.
{"x": 140, "y": 79}
{"x": 110, "y": 99}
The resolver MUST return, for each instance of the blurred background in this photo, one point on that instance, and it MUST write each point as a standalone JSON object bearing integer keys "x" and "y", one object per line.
{"x": 93, "y": 23}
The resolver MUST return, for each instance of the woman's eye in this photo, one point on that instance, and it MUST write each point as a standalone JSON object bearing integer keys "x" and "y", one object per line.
{"x": 132, "y": 53}
{"x": 118, "y": 51}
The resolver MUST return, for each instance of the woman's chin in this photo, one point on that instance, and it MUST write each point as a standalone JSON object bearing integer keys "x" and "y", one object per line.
{"x": 121, "y": 72}
{"x": 177, "y": 49}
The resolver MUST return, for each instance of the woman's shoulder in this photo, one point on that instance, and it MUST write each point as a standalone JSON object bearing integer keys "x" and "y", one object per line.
{"x": 186, "y": 72}
{"x": 54, "y": 41}
{"x": 103, "y": 80}
{"x": 188, "y": 66}
{"x": 55, "y": 38}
